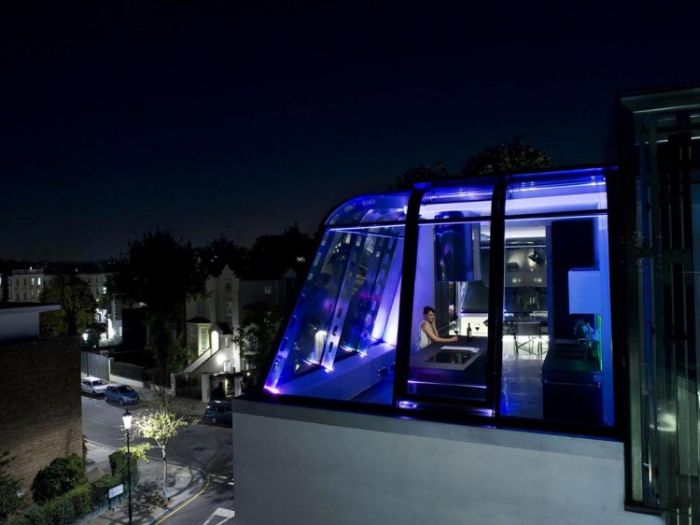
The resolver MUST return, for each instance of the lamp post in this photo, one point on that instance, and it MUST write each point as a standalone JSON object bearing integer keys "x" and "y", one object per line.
{"x": 126, "y": 418}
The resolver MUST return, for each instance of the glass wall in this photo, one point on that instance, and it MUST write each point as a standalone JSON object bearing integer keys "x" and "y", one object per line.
{"x": 556, "y": 341}
{"x": 449, "y": 340}
{"x": 341, "y": 338}
{"x": 533, "y": 255}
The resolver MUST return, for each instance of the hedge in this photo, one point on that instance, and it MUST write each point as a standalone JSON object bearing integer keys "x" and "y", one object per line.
{"x": 72, "y": 505}
{"x": 120, "y": 471}
{"x": 80, "y": 500}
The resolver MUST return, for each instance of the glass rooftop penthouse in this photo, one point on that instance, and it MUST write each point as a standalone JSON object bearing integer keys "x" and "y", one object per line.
{"x": 516, "y": 269}
{"x": 553, "y": 378}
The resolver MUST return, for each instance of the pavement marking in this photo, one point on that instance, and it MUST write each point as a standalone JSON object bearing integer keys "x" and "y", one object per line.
{"x": 184, "y": 504}
{"x": 227, "y": 514}
{"x": 222, "y": 479}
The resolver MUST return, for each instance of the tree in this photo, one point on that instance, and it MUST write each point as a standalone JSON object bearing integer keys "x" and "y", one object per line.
{"x": 160, "y": 424}
{"x": 422, "y": 173}
{"x": 58, "y": 477}
{"x": 257, "y": 334}
{"x": 273, "y": 255}
{"x": 10, "y": 500}
{"x": 77, "y": 305}
{"x": 221, "y": 252}
{"x": 518, "y": 155}
{"x": 161, "y": 273}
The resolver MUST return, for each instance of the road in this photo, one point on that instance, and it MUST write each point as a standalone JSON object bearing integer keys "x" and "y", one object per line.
{"x": 204, "y": 446}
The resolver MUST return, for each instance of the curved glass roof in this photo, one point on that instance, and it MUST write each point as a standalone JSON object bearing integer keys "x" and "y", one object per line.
{"x": 371, "y": 209}
{"x": 452, "y": 202}
{"x": 557, "y": 191}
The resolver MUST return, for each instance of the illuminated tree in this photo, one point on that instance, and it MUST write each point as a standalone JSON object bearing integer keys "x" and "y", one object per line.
{"x": 160, "y": 424}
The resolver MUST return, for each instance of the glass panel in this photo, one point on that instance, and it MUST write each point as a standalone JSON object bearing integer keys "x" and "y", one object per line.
{"x": 371, "y": 209}
{"x": 557, "y": 352}
{"x": 341, "y": 338}
{"x": 449, "y": 341}
{"x": 457, "y": 202}
{"x": 578, "y": 190}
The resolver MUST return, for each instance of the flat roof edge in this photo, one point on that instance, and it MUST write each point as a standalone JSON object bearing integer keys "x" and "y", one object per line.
{"x": 500, "y": 437}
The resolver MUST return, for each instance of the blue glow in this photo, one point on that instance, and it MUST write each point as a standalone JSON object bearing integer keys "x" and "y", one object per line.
{"x": 369, "y": 209}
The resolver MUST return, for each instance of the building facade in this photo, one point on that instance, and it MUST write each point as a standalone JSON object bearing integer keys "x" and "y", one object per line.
{"x": 36, "y": 427}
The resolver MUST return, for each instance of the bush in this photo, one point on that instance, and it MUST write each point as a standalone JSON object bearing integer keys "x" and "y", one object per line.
{"x": 59, "y": 511}
{"x": 34, "y": 516}
{"x": 99, "y": 489}
{"x": 60, "y": 476}
{"x": 80, "y": 499}
{"x": 10, "y": 487}
{"x": 120, "y": 471}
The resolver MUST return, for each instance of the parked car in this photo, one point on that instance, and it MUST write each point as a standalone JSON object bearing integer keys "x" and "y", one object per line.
{"x": 93, "y": 385}
{"x": 122, "y": 394}
{"x": 219, "y": 412}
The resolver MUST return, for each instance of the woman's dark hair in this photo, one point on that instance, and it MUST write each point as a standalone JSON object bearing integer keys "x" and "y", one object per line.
{"x": 428, "y": 309}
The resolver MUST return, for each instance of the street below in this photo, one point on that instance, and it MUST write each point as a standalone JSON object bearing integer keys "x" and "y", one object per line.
{"x": 204, "y": 446}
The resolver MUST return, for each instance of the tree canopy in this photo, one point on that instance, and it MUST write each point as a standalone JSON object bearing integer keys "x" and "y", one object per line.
{"x": 160, "y": 424}
{"x": 517, "y": 155}
{"x": 162, "y": 273}
{"x": 256, "y": 336}
{"x": 272, "y": 255}
{"x": 77, "y": 305}
{"x": 514, "y": 156}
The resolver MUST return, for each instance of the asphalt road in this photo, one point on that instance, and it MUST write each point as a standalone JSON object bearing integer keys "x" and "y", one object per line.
{"x": 204, "y": 446}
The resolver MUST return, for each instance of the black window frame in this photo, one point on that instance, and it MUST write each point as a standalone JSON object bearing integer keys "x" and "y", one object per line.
{"x": 488, "y": 413}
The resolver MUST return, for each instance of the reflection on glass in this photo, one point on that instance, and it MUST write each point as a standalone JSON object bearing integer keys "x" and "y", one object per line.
{"x": 451, "y": 277}
{"x": 341, "y": 338}
{"x": 557, "y": 356}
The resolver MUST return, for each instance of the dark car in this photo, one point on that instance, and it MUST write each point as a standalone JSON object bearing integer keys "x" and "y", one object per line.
{"x": 219, "y": 412}
{"x": 122, "y": 394}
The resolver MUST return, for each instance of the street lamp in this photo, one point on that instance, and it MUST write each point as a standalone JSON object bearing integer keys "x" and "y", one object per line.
{"x": 126, "y": 418}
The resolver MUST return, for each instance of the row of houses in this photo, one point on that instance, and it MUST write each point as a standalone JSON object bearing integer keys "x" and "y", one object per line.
{"x": 27, "y": 284}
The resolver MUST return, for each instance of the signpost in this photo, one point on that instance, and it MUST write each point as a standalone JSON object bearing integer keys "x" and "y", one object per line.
{"x": 113, "y": 493}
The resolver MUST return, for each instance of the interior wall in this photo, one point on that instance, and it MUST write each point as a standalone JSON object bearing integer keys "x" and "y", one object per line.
{"x": 299, "y": 465}
{"x": 424, "y": 289}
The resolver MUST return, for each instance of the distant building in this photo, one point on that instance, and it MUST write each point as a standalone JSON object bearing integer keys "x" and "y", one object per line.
{"x": 211, "y": 321}
{"x": 37, "y": 427}
{"x": 25, "y": 286}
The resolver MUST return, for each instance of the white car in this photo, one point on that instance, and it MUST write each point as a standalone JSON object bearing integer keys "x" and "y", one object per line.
{"x": 94, "y": 385}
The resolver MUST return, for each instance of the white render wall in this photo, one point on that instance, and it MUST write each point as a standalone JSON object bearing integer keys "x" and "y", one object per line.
{"x": 295, "y": 465}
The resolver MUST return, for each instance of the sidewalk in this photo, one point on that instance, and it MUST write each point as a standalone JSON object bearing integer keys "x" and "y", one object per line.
{"x": 183, "y": 483}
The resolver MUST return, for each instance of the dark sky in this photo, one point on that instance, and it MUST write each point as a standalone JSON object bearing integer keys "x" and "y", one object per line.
{"x": 239, "y": 118}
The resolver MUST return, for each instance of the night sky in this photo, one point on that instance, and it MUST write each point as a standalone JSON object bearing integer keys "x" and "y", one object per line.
{"x": 239, "y": 118}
